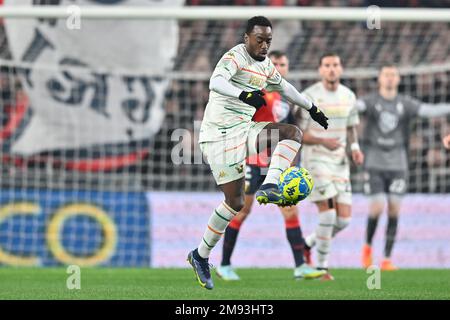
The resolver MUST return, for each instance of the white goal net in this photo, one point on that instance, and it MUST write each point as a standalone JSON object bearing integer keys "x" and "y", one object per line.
{"x": 91, "y": 115}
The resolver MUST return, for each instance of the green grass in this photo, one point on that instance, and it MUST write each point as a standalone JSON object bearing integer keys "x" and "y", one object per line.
{"x": 108, "y": 283}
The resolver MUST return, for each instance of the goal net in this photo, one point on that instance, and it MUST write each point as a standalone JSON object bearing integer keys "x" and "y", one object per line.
{"x": 97, "y": 112}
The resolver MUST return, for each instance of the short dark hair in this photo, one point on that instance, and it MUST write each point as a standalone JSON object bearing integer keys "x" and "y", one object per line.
{"x": 387, "y": 65}
{"x": 257, "y": 21}
{"x": 328, "y": 54}
{"x": 277, "y": 54}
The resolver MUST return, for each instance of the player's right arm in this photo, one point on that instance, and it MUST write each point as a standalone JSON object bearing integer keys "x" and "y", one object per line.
{"x": 227, "y": 67}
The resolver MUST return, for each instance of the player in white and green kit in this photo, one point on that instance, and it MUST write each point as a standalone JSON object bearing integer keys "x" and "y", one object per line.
{"x": 228, "y": 135}
{"x": 324, "y": 155}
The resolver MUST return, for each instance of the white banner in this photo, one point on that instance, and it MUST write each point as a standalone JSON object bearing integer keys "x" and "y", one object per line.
{"x": 91, "y": 82}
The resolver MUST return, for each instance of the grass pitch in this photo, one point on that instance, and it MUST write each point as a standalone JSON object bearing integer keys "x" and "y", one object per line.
{"x": 180, "y": 284}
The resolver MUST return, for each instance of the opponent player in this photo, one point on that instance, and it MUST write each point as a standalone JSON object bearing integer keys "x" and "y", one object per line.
{"x": 325, "y": 156}
{"x": 389, "y": 117}
{"x": 278, "y": 110}
{"x": 228, "y": 134}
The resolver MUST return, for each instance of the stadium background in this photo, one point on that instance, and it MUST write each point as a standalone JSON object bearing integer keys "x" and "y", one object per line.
{"x": 87, "y": 173}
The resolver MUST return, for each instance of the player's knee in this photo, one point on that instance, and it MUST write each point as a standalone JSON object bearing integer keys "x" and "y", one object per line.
{"x": 236, "y": 203}
{"x": 292, "y": 132}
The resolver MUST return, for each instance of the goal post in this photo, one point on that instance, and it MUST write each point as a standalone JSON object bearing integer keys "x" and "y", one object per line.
{"x": 99, "y": 120}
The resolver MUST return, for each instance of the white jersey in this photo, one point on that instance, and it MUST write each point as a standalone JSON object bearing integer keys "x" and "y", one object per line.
{"x": 340, "y": 107}
{"x": 226, "y": 117}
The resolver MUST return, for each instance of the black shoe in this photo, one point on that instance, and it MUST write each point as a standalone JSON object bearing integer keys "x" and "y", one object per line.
{"x": 201, "y": 269}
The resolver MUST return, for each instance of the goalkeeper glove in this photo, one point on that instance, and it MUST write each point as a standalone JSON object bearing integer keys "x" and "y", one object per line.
{"x": 254, "y": 98}
{"x": 318, "y": 116}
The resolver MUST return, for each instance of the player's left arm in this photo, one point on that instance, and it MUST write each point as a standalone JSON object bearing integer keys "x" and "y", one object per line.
{"x": 429, "y": 110}
{"x": 352, "y": 137}
{"x": 299, "y": 99}
{"x": 275, "y": 82}
{"x": 352, "y": 134}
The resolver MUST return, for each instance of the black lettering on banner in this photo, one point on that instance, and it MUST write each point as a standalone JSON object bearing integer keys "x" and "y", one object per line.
{"x": 73, "y": 92}
{"x": 135, "y": 110}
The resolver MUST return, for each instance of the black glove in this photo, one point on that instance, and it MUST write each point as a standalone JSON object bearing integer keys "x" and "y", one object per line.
{"x": 254, "y": 98}
{"x": 318, "y": 116}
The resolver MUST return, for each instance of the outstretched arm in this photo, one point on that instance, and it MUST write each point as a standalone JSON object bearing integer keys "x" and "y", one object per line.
{"x": 295, "y": 97}
{"x": 428, "y": 110}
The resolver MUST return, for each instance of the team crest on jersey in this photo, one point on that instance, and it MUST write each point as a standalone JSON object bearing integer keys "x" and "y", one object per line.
{"x": 239, "y": 168}
{"x": 388, "y": 121}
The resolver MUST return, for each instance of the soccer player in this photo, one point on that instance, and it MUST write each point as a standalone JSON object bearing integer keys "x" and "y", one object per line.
{"x": 389, "y": 117}
{"x": 228, "y": 134}
{"x": 325, "y": 156}
{"x": 278, "y": 110}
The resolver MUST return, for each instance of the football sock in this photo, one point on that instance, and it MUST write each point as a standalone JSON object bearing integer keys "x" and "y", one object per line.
{"x": 217, "y": 224}
{"x": 341, "y": 224}
{"x": 324, "y": 232}
{"x": 391, "y": 231}
{"x": 295, "y": 238}
{"x": 281, "y": 159}
{"x": 229, "y": 241}
{"x": 310, "y": 241}
{"x": 372, "y": 223}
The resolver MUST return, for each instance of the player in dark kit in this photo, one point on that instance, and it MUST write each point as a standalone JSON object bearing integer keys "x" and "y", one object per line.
{"x": 278, "y": 109}
{"x": 386, "y": 133}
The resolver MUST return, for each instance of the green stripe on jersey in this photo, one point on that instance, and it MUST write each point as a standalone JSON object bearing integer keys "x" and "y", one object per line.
{"x": 234, "y": 125}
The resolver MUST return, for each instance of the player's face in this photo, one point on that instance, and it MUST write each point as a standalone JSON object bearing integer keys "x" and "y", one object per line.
{"x": 389, "y": 78}
{"x": 330, "y": 69}
{"x": 258, "y": 42}
{"x": 281, "y": 64}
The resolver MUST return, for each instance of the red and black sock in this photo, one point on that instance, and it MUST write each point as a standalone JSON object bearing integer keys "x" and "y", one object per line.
{"x": 229, "y": 241}
{"x": 296, "y": 240}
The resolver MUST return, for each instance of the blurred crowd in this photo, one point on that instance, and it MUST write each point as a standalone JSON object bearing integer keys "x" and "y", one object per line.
{"x": 202, "y": 43}
{"x": 322, "y": 3}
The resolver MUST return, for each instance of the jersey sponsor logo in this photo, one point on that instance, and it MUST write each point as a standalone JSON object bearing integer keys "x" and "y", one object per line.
{"x": 388, "y": 121}
{"x": 256, "y": 81}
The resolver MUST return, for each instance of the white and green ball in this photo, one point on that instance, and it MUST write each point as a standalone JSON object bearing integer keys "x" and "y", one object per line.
{"x": 295, "y": 184}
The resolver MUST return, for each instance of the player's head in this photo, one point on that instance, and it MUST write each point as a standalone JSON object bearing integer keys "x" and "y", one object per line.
{"x": 330, "y": 67}
{"x": 280, "y": 61}
{"x": 389, "y": 77}
{"x": 258, "y": 36}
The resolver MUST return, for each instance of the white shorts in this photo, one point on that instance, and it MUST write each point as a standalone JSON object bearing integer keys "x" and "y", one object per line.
{"x": 226, "y": 158}
{"x": 330, "y": 181}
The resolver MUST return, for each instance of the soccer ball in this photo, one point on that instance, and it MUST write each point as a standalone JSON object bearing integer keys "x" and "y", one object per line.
{"x": 295, "y": 184}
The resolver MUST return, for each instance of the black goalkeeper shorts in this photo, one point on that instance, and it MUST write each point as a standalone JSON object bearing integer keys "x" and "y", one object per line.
{"x": 389, "y": 182}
